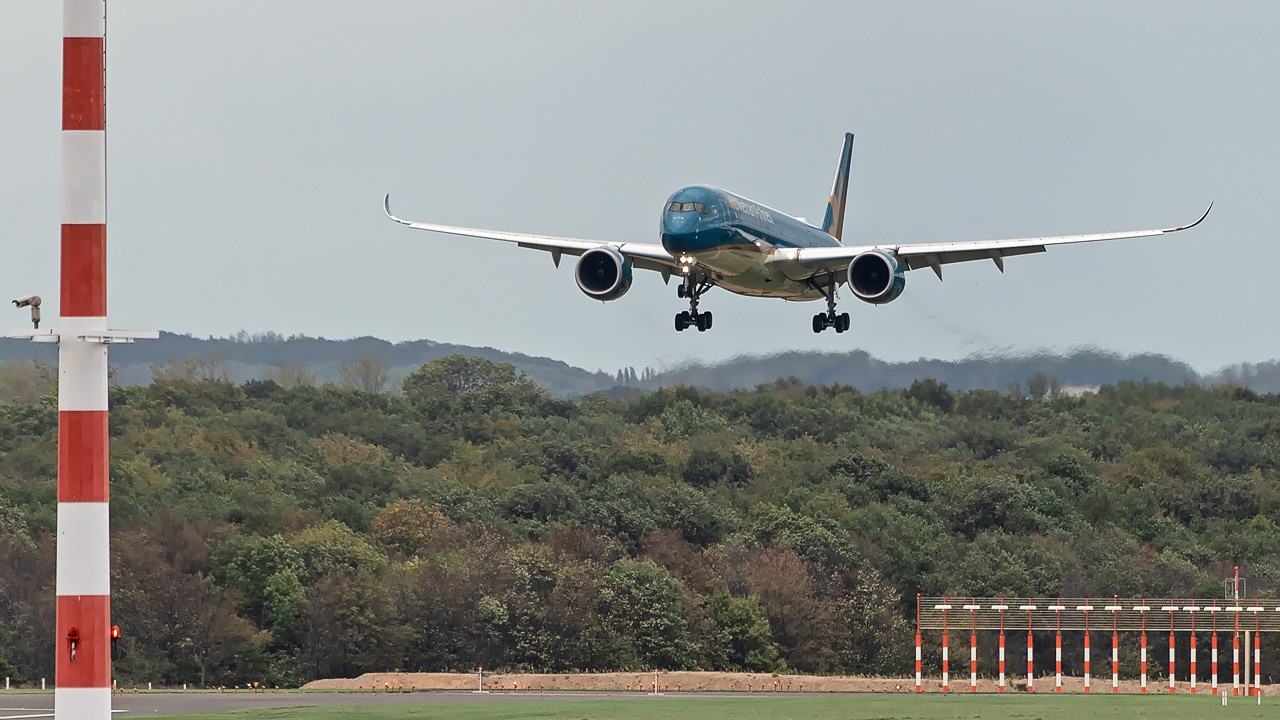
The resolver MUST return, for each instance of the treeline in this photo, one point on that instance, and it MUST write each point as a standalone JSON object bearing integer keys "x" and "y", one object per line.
{"x": 314, "y": 361}
{"x": 281, "y": 535}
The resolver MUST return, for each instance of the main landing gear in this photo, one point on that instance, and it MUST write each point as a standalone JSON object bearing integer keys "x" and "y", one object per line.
{"x": 822, "y": 321}
{"x": 692, "y": 287}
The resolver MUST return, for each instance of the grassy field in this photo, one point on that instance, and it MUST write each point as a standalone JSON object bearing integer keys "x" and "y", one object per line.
{"x": 843, "y": 707}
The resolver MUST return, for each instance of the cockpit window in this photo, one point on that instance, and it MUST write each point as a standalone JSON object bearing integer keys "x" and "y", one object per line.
{"x": 688, "y": 207}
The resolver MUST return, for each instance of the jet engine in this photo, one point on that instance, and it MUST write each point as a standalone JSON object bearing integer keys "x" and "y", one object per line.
{"x": 877, "y": 277}
{"x": 603, "y": 274}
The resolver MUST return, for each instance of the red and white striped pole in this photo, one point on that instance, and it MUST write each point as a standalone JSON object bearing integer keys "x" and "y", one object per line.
{"x": 1057, "y": 651}
{"x": 1212, "y": 657}
{"x": 1031, "y": 675}
{"x": 1115, "y": 649}
{"x": 945, "y": 675}
{"x": 83, "y": 576}
{"x": 1212, "y": 668}
{"x": 1143, "y": 661}
{"x": 1002, "y": 607}
{"x": 1235, "y": 659}
{"x": 973, "y": 646}
{"x": 1172, "y": 688}
{"x": 1257, "y": 657}
{"x": 1086, "y": 607}
{"x": 918, "y": 688}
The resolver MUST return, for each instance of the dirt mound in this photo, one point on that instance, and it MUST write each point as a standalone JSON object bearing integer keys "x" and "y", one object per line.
{"x": 721, "y": 682}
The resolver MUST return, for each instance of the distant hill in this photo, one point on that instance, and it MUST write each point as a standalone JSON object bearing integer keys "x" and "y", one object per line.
{"x": 244, "y": 357}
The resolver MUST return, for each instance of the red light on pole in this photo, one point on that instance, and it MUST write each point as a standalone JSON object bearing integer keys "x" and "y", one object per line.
{"x": 73, "y": 640}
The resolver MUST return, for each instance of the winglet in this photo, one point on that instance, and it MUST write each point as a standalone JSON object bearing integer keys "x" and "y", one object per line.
{"x": 833, "y": 222}
{"x": 386, "y": 208}
{"x": 1197, "y": 222}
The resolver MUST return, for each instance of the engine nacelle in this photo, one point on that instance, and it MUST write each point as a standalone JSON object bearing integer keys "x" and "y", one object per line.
{"x": 877, "y": 277}
{"x": 603, "y": 274}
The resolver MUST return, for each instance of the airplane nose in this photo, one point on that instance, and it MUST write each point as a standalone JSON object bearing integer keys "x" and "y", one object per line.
{"x": 678, "y": 231}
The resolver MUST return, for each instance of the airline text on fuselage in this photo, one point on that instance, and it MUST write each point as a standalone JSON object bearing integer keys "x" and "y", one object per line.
{"x": 747, "y": 208}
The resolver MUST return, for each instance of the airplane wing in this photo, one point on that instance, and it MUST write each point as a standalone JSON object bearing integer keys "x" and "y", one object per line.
{"x": 935, "y": 255}
{"x": 645, "y": 256}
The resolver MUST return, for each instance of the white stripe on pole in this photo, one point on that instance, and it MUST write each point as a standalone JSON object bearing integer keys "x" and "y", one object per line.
{"x": 83, "y": 550}
{"x": 82, "y": 366}
{"x": 84, "y": 189}
{"x": 83, "y": 20}
{"x": 81, "y": 702}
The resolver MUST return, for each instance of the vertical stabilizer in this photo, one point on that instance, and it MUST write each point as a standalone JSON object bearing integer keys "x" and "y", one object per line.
{"x": 833, "y": 223}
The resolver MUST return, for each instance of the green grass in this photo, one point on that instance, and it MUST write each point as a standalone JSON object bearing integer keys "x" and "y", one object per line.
{"x": 840, "y": 707}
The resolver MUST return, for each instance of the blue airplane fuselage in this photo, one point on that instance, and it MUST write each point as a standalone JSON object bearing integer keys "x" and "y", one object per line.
{"x": 738, "y": 240}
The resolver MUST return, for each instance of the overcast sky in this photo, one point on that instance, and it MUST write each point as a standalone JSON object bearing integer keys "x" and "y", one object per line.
{"x": 251, "y": 143}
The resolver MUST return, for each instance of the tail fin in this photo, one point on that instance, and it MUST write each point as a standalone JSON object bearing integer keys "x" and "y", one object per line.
{"x": 833, "y": 223}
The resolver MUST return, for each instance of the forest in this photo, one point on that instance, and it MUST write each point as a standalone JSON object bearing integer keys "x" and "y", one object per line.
{"x": 286, "y": 531}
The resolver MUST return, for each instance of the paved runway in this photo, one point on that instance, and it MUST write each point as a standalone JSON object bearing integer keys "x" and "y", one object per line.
{"x": 37, "y": 705}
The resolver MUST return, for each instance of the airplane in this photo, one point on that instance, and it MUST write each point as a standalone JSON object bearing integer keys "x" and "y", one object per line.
{"x": 714, "y": 238}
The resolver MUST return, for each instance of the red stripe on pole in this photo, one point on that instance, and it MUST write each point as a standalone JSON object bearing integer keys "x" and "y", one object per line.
{"x": 90, "y": 616}
{"x": 1213, "y": 661}
{"x": 1002, "y": 661}
{"x": 82, "y": 469}
{"x": 1031, "y": 675}
{"x": 83, "y": 106}
{"x": 1086, "y": 661}
{"x": 1257, "y": 660}
{"x": 918, "y": 688}
{"x": 84, "y": 271}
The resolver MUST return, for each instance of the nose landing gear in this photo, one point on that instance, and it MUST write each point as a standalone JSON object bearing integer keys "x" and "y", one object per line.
{"x": 692, "y": 287}
{"x": 822, "y": 321}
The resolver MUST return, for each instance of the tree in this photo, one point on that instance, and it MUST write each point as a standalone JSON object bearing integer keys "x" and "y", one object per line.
{"x": 409, "y": 527}
{"x": 25, "y": 381}
{"x": 641, "y": 602}
{"x": 457, "y": 375}
{"x": 368, "y": 373}
{"x": 290, "y": 374}
{"x": 750, "y": 646}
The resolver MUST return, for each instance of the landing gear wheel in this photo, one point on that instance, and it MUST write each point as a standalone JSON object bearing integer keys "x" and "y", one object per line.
{"x": 691, "y": 288}
{"x": 842, "y": 322}
{"x": 819, "y": 323}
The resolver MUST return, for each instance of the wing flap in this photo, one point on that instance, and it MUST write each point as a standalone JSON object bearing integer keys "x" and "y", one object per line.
{"x": 921, "y": 255}
{"x": 642, "y": 255}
